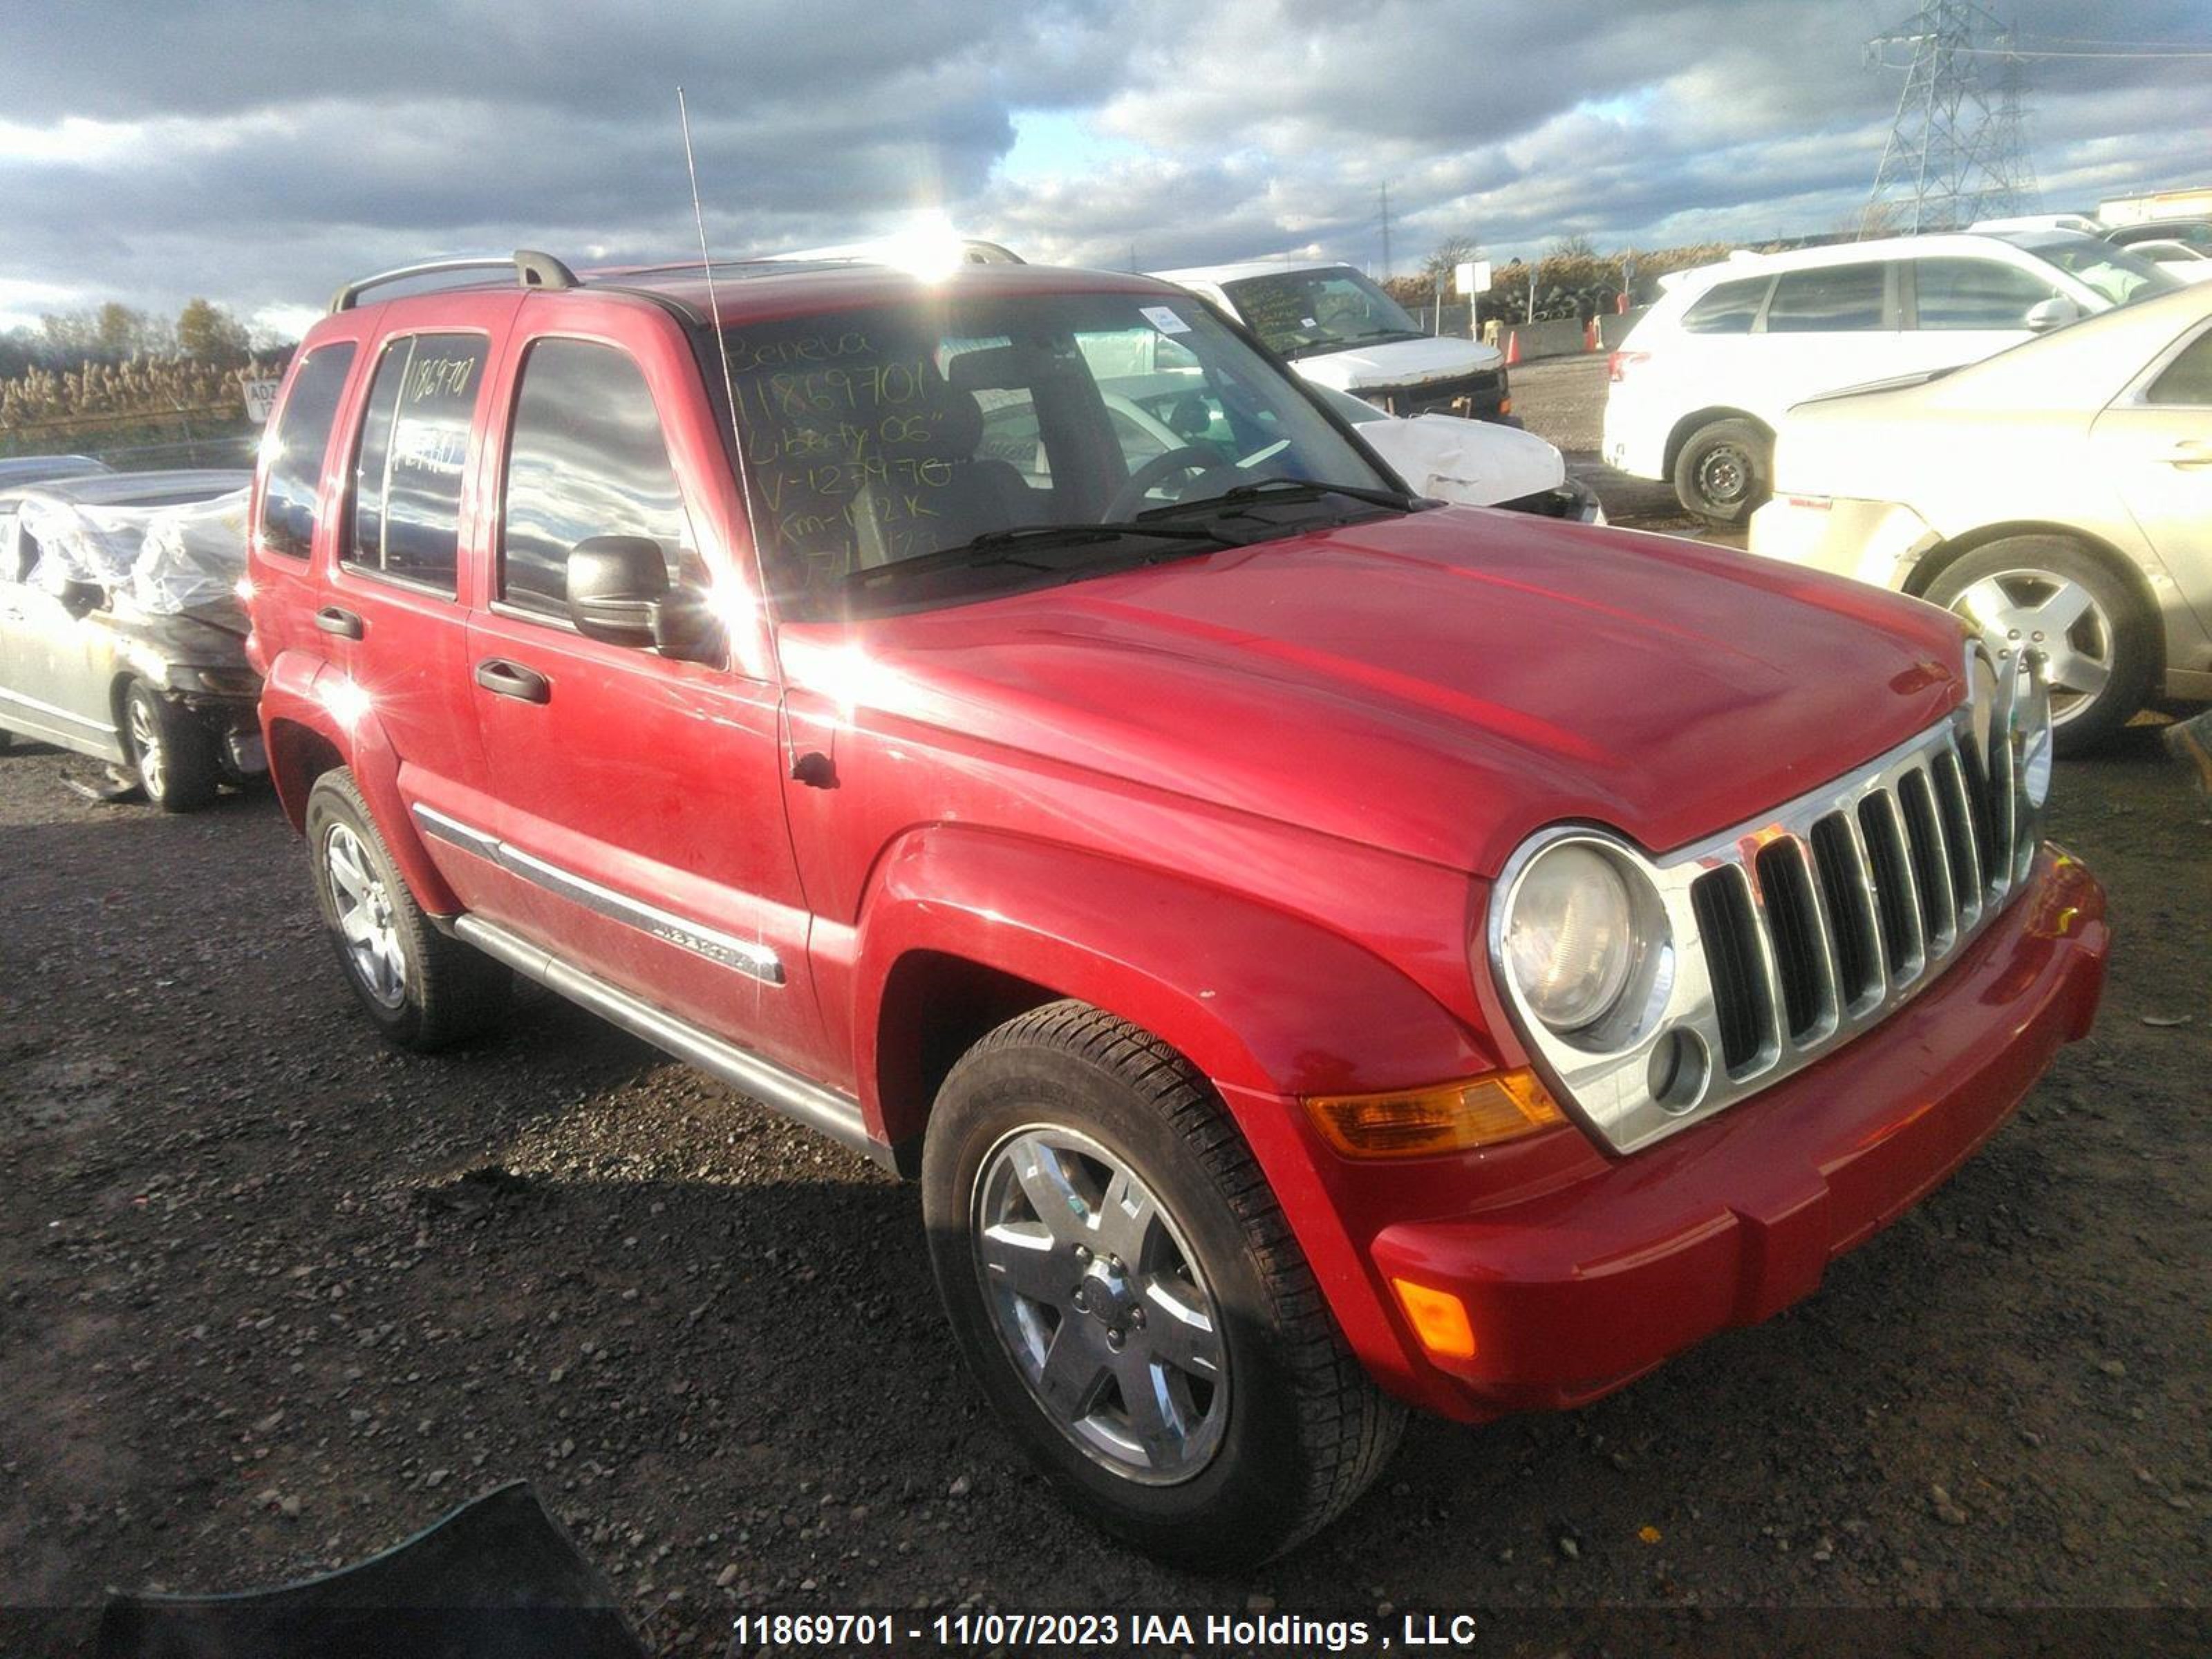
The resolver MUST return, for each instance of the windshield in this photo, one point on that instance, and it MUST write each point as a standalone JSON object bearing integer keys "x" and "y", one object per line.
{"x": 990, "y": 441}
{"x": 1302, "y": 313}
{"x": 2114, "y": 272}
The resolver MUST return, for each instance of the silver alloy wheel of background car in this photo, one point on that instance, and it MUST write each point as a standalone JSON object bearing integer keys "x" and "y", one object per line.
{"x": 2028, "y": 610}
{"x": 1100, "y": 1302}
{"x": 146, "y": 750}
{"x": 364, "y": 917}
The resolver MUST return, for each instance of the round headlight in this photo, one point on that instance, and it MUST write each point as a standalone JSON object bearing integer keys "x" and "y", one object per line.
{"x": 1569, "y": 939}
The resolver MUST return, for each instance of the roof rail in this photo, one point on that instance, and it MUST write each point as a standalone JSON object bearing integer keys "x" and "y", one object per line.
{"x": 532, "y": 270}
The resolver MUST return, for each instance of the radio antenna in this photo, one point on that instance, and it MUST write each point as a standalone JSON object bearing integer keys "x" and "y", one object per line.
{"x": 722, "y": 346}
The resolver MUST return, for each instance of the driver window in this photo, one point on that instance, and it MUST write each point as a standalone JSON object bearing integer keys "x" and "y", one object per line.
{"x": 586, "y": 457}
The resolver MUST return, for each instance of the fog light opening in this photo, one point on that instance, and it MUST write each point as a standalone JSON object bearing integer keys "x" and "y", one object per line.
{"x": 1681, "y": 1066}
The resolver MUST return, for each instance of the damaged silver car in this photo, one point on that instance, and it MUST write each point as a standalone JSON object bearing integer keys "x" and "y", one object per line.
{"x": 122, "y": 636}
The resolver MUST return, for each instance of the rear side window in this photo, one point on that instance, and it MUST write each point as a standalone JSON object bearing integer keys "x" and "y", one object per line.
{"x": 295, "y": 458}
{"x": 1827, "y": 299}
{"x": 586, "y": 458}
{"x": 1728, "y": 307}
{"x": 2188, "y": 378}
{"x": 414, "y": 444}
{"x": 1975, "y": 293}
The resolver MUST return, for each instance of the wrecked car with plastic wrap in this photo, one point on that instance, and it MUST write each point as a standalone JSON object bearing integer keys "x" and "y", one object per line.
{"x": 122, "y": 633}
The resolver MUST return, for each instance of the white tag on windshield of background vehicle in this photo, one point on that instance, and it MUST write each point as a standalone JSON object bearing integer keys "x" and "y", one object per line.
{"x": 1308, "y": 322}
{"x": 1161, "y": 318}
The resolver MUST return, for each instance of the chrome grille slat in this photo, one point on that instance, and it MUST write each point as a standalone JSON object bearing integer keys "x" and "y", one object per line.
{"x": 1854, "y": 883}
{"x": 1932, "y": 854}
{"x": 1897, "y": 894}
{"x": 1956, "y": 808}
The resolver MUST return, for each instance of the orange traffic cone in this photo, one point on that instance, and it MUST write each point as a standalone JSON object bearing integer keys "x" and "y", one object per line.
{"x": 1592, "y": 340}
{"x": 1513, "y": 348}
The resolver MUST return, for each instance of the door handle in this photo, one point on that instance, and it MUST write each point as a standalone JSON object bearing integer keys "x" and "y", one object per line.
{"x": 2189, "y": 453}
{"x": 332, "y": 619}
{"x": 503, "y": 679}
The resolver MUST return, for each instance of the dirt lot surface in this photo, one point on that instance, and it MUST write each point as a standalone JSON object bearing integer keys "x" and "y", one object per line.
{"x": 273, "y": 1296}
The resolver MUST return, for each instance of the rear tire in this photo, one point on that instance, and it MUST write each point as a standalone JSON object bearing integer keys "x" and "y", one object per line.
{"x": 171, "y": 749}
{"x": 424, "y": 991}
{"x": 1724, "y": 471}
{"x": 1232, "y": 1423}
{"x": 2051, "y": 594}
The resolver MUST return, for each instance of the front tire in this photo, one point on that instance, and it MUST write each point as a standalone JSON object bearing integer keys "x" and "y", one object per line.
{"x": 171, "y": 749}
{"x": 2051, "y": 594}
{"x": 1724, "y": 471}
{"x": 1121, "y": 1280}
{"x": 424, "y": 991}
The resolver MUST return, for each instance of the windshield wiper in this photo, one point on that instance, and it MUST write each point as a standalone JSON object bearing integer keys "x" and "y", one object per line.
{"x": 1287, "y": 490}
{"x": 1000, "y": 547}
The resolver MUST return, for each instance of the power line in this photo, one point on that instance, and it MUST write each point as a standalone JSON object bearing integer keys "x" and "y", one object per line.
{"x": 2159, "y": 55}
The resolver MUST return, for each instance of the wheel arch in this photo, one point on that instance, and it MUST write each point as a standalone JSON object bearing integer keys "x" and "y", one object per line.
{"x": 1684, "y": 429}
{"x": 305, "y": 737}
{"x": 1941, "y": 558}
{"x": 964, "y": 929}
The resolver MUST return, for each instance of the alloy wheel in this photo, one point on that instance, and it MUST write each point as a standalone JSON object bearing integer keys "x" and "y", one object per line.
{"x": 146, "y": 747}
{"x": 2027, "y": 610}
{"x": 366, "y": 920}
{"x": 1101, "y": 1303}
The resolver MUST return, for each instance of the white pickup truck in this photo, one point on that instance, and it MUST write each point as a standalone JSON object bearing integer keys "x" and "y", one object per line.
{"x": 1431, "y": 405}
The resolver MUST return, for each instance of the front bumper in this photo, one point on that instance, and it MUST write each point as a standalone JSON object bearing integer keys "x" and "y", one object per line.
{"x": 1871, "y": 541}
{"x": 1589, "y": 1285}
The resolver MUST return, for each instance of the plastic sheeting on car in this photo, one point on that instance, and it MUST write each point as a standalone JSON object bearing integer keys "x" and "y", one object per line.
{"x": 162, "y": 561}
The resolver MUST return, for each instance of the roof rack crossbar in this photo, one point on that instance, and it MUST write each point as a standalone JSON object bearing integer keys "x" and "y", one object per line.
{"x": 532, "y": 270}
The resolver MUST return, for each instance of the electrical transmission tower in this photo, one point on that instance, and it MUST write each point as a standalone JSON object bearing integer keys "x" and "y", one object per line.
{"x": 1951, "y": 159}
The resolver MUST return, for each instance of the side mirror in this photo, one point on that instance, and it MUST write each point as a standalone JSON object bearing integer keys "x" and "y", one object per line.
{"x": 2055, "y": 313}
{"x": 618, "y": 594}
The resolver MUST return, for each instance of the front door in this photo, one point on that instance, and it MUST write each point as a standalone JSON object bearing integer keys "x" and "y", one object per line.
{"x": 57, "y": 669}
{"x": 2156, "y": 440}
{"x": 640, "y": 794}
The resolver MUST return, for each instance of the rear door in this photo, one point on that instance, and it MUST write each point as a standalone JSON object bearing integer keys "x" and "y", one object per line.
{"x": 640, "y": 794}
{"x": 394, "y": 608}
{"x": 1824, "y": 327}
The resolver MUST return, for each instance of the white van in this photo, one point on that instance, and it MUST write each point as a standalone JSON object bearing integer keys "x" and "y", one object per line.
{"x": 1702, "y": 379}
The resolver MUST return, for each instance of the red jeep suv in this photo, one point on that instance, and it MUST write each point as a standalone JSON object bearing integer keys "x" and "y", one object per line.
{"x": 1321, "y": 951}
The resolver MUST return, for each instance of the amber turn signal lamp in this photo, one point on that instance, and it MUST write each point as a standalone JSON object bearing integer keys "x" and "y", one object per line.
{"x": 1438, "y": 1318}
{"x": 1451, "y": 1117}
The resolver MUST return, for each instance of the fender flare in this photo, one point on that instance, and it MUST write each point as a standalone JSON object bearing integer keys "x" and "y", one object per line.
{"x": 1257, "y": 998}
{"x": 296, "y": 701}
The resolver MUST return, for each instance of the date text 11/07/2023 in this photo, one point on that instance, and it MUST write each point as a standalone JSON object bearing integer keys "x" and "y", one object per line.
{"x": 1091, "y": 1632}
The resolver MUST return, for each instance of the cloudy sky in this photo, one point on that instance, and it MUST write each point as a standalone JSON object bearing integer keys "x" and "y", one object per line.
{"x": 260, "y": 153}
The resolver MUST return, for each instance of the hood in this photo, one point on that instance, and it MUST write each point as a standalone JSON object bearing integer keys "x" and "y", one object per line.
{"x": 1437, "y": 684}
{"x": 1475, "y": 463}
{"x": 1398, "y": 363}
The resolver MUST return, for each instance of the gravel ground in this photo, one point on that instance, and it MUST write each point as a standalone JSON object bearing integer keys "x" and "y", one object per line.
{"x": 273, "y": 1296}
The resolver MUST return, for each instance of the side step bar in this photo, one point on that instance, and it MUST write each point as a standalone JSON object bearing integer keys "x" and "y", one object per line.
{"x": 823, "y": 1110}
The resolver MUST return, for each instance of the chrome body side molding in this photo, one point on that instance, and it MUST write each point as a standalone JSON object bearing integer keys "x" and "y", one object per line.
{"x": 724, "y": 950}
{"x": 825, "y": 1111}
